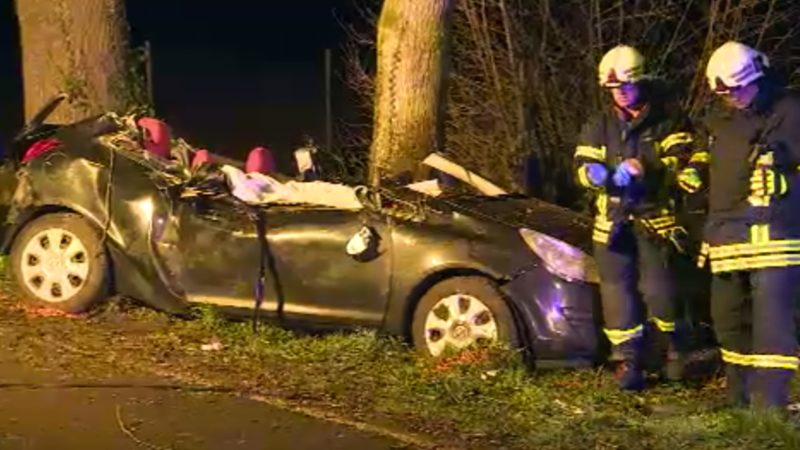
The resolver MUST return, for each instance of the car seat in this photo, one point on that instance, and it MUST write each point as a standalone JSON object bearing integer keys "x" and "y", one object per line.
{"x": 260, "y": 160}
{"x": 156, "y": 136}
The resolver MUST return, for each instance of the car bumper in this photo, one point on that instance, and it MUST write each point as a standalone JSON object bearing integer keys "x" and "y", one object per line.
{"x": 560, "y": 320}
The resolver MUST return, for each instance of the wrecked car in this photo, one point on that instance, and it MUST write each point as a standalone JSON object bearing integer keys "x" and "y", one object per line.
{"x": 91, "y": 212}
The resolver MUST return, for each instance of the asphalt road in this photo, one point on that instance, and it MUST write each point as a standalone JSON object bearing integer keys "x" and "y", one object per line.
{"x": 38, "y": 412}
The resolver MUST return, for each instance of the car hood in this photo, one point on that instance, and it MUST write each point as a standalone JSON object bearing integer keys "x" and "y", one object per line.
{"x": 524, "y": 212}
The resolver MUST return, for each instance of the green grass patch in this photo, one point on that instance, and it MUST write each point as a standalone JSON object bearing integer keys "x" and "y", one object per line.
{"x": 489, "y": 400}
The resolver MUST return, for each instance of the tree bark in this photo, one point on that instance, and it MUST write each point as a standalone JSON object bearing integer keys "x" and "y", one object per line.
{"x": 412, "y": 55}
{"x": 74, "y": 46}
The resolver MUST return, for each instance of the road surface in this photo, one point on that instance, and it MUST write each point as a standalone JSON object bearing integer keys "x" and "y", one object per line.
{"x": 38, "y": 413}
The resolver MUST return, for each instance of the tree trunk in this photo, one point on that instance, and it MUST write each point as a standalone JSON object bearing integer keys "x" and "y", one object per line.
{"x": 74, "y": 46}
{"x": 408, "y": 115}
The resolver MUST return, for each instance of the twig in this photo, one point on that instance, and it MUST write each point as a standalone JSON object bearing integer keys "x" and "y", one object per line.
{"x": 597, "y": 374}
{"x": 133, "y": 437}
{"x": 766, "y": 23}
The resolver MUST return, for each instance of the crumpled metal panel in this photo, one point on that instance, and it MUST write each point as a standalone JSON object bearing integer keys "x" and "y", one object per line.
{"x": 77, "y": 178}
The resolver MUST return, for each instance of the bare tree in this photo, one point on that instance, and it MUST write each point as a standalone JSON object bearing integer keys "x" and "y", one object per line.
{"x": 524, "y": 79}
{"x": 411, "y": 55}
{"x": 524, "y": 75}
{"x": 78, "y": 47}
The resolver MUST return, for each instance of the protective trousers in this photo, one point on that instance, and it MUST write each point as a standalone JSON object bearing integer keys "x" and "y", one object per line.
{"x": 632, "y": 258}
{"x": 754, "y": 318}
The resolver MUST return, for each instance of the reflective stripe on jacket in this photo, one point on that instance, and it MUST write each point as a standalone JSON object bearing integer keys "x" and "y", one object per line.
{"x": 754, "y": 186}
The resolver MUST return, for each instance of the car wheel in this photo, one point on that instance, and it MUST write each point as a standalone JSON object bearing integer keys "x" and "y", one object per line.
{"x": 459, "y": 312}
{"x": 57, "y": 260}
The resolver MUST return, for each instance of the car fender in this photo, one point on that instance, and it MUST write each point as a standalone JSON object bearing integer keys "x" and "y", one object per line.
{"x": 75, "y": 182}
{"x": 22, "y": 217}
{"x": 561, "y": 319}
{"x": 130, "y": 277}
{"x": 424, "y": 256}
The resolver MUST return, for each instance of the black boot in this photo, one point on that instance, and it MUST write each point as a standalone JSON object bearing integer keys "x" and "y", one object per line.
{"x": 737, "y": 379}
{"x": 630, "y": 377}
{"x": 665, "y": 355}
{"x": 771, "y": 389}
{"x": 674, "y": 360}
{"x": 629, "y": 373}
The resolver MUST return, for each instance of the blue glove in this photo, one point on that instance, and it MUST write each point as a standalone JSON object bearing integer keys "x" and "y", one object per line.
{"x": 624, "y": 174}
{"x": 596, "y": 173}
{"x": 621, "y": 177}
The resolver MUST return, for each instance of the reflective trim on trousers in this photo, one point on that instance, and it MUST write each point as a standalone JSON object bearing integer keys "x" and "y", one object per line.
{"x": 618, "y": 337}
{"x": 663, "y": 325}
{"x": 760, "y": 360}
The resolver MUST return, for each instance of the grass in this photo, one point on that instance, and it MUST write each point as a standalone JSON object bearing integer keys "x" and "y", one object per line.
{"x": 490, "y": 400}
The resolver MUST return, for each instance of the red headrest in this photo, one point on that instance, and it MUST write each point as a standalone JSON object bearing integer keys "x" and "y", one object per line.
{"x": 260, "y": 160}
{"x": 40, "y": 148}
{"x": 157, "y": 136}
{"x": 201, "y": 157}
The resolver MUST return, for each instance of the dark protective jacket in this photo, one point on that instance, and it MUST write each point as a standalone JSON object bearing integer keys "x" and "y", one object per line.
{"x": 661, "y": 139}
{"x": 750, "y": 226}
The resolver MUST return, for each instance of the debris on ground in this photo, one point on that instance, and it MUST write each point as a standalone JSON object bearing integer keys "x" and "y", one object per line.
{"x": 574, "y": 410}
{"x": 212, "y": 346}
{"x": 466, "y": 357}
{"x": 488, "y": 374}
{"x": 43, "y": 311}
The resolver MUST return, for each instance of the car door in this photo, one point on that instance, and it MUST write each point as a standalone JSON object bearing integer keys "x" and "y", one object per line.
{"x": 311, "y": 273}
{"x": 220, "y": 252}
{"x": 309, "y": 276}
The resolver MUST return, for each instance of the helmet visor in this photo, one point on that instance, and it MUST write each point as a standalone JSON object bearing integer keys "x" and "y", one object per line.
{"x": 612, "y": 80}
{"x": 720, "y": 88}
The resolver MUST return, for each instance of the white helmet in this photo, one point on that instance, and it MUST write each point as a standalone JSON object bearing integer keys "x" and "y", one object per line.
{"x": 734, "y": 65}
{"x": 621, "y": 64}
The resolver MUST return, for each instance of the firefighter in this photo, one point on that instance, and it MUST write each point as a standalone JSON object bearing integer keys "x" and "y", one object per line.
{"x": 628, "y": 156}
{"x": 752, "y": 231}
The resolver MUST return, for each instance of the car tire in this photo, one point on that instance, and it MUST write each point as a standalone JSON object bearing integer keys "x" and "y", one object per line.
{"x": 482, "y": 310}
{"x": 73, "y": 276}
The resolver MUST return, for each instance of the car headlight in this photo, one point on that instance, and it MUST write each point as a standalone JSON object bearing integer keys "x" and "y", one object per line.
{"x": 560, "y": 258}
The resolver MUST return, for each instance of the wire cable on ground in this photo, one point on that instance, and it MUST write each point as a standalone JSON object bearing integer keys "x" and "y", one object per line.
{"x": 132, "y": 436}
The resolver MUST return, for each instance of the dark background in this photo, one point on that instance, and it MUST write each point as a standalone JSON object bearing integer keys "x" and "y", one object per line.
{"x": 228, "y": 75}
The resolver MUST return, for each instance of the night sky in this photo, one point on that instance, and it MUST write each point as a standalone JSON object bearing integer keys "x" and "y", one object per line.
{"x": 228, "y": 75}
